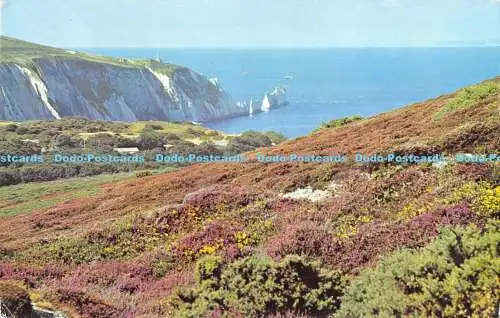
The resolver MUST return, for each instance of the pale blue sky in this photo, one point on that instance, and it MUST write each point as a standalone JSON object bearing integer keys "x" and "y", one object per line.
{"x": 252, "y": 23}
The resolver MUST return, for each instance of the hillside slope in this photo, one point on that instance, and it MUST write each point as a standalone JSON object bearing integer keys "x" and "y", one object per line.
{"x": 126, "y": 249}
{"x": 39, "y": 82}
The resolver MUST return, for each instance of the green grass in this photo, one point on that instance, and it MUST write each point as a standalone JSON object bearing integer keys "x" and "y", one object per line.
{"x": 470, "y": 96}
{"x": 162, "y": 68}
{"x": 24, "y": 198}
{"x": 22, "y": 53}
{"x": 339, "y": 122}
{"x": 80, "y": 128}
{"x": 13, "y": 50}
{"x": 184, "y": 131}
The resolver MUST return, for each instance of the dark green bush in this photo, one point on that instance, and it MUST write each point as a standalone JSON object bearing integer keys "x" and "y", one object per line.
{"x": 208, "y": 148}
{"x": 10, "y": 127}
{"x": 150, "y": 139}
{"x": 194, "y": 133}
{"x": 64, "y": 140}
{"x": 257, "y": 286}
{"x": 105, "y": 143}
{"x": 275, "y": 137}
{"x": 143, "y": 174}
{"x": 171, "y": 137}
{"x": 18, "y": 147}
{"x": 248, "y": 141}
{"x": 456, "y": 276}
{"x": 154, "y": 127}
{"x": 48, "y": 172}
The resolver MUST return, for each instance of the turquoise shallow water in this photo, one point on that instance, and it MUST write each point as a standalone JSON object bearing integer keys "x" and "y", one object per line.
{"x": 324, "y": 84}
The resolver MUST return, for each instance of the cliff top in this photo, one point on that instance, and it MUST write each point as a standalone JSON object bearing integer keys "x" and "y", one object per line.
{"x": 22, "y": 52}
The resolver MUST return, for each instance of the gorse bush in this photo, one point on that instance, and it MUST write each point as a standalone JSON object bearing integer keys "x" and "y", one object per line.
{"x": 455, "y": 276}
{"x": 483, "y": 197}
{"x": 257, "y": 286}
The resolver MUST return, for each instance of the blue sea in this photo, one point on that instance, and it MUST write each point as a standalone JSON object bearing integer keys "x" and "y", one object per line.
{"x": 325, "y": 84}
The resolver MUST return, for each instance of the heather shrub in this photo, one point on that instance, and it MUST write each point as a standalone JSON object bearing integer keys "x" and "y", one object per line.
{"x": 84, "y": 304}
{"x": 125, "y": 239}
{"x": 30, "y": 275}
{"x": 453, "y": 277}
{"x": 469, "y": 136}
{"x": 378, "y": 238}
{"x": 108, "y": 275}
{"x": 283, "y": 206}
{"x": 219, "y": 196}
{"x": 475, "y": 172}
{"x": 215, "y": 238}
{"x": 257, "y": 286}
{"x": 305, "y": 238}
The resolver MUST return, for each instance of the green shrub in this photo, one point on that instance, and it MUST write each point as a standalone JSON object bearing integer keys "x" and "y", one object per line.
{"x": 154, "y": 127}
{"x": 194, "y": 132}
{"x": 248, "y": 141}
{"x": 275, "y": 137}
{"x": 456, "y": 276}
{"x": 339, "y": 122}
{"x": 64, "y": 141}
{"x": 171, "y": 137}
{"x": 470, "y": 96}
{"x": 207, "y": 148}
{"x": 71, "y": 250}
{"x": 257, "y": 286}
{"x": 10, "y": 127}
{"x": 150, "y": 139}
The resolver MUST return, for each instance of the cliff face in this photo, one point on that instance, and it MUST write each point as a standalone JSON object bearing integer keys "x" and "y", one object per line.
{"x": 19, "y": 99}
{"x": 57, "y": 86}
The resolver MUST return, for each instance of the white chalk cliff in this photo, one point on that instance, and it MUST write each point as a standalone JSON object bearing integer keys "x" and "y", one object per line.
{"x": 59, "y": 85}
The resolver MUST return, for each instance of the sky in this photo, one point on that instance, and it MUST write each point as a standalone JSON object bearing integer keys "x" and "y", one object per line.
{"x": 251, "y": 23}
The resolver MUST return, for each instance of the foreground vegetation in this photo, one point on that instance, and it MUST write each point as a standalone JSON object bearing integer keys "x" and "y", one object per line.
{"x": 220, "y": 240}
